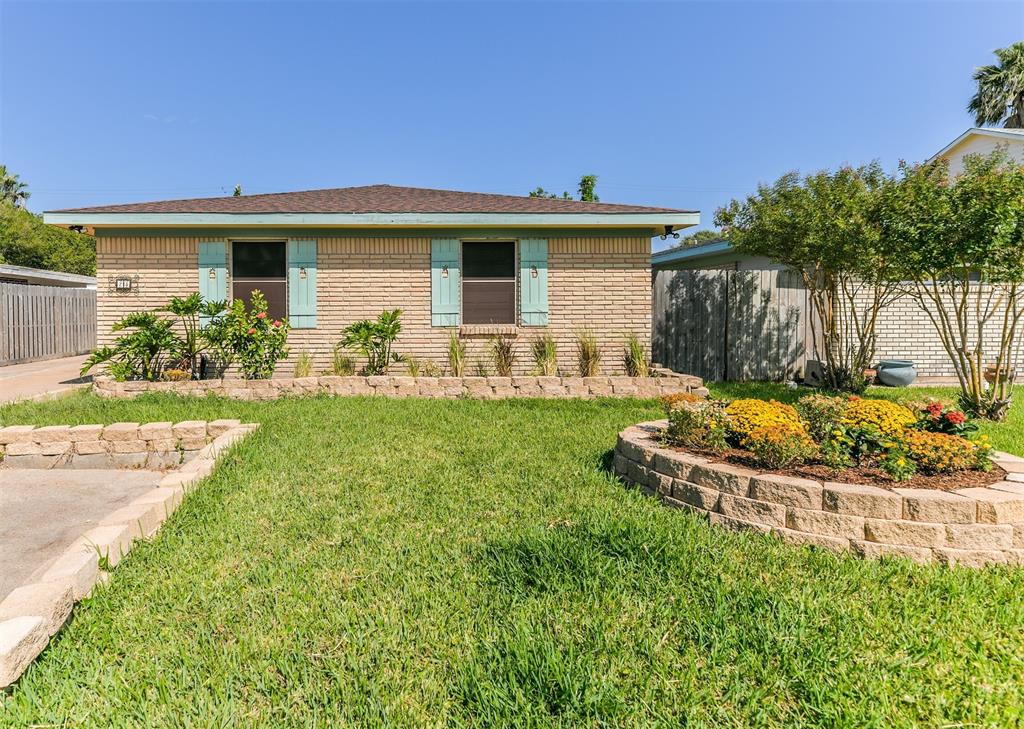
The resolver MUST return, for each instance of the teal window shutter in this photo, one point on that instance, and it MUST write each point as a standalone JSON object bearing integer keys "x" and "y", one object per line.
{"x": 444, "y": 283}
{"x": 213, "y": 273}
{"x": 302, "y": 284}
{"x": 533, "y": 282}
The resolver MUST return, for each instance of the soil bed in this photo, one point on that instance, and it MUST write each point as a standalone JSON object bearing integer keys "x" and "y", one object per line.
{"x": 865, "y": 475}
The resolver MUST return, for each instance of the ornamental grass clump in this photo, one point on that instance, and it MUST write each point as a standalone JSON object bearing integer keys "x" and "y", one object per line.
{"x": 503, "y": 355}
{"x": 545, "y": 355}
{"x": 588, "y": 354}
{"x": 634, "y": 360}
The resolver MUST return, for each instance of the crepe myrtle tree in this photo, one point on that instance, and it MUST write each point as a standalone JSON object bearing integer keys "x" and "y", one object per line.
{"x": 959, "y": 246}
{"x": 824, "y": 227}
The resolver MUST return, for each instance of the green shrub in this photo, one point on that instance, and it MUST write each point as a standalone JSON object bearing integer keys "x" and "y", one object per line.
{"x": 253, "y": 338}
{"x": 374, "y": 340}
{"x": 698, "y": 424}
{"x": 821, "y": 413}
{"x": 141, "y": 352}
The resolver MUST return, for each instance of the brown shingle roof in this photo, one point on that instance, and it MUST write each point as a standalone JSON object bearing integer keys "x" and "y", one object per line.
{"x": 373, "y": 199}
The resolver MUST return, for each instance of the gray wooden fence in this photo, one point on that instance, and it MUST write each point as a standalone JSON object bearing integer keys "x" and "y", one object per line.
{"x": 44, "y": 322}
{"x": 731, "y": 325}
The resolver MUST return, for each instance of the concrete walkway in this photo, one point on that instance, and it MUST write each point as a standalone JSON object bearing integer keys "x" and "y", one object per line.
{"x": 33, "y": 379}
{"x": 43, "y": 511}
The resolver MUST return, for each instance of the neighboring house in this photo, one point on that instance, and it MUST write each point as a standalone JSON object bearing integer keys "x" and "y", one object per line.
{"x": 477, "y": 264}
{"x": 982, "y": 141}
{"x": 42, "y": 277}
{"x": 903, "y": 330}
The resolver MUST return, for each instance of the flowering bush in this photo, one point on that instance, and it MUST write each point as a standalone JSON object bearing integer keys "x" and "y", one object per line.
{"x": 939, "y": 452}
{"x": 779, "y": 446}
{"x": 747, "y": 415}
{"x": 697, "y": 423}
{"x": 670, "y": 402}
{"x": 254, "y": 338}
{"x": 887, "y": 417}
{"x": 822, "y": 413}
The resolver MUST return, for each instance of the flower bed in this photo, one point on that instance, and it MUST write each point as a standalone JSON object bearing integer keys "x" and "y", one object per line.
{"x": 852, "y": 439}
{"x": 433, "y": 387}
{"x": 967, "y": 526}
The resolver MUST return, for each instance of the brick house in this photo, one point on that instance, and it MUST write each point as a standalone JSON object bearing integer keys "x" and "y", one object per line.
{"x": 475, "y": 263}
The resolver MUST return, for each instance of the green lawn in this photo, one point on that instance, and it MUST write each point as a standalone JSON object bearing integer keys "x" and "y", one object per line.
{"x": 372, "y": 561}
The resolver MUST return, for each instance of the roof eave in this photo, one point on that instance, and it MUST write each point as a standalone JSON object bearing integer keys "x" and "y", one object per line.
{"x": 653, "y": 220}
{"x": 983, "y": 131}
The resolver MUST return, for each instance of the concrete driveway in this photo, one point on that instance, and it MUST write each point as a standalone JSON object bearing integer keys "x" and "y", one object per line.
{"x": 34, "y": 379}
{"x": 43, "y": 511}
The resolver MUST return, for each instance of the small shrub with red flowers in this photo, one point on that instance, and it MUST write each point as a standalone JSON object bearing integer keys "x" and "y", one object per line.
{"x": 257, "y": 341}
{"x": 937, "y": 418}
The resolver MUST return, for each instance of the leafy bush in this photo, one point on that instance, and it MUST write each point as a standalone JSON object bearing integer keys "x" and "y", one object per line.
{"x": 749, "y": 414}
{"x": 897, "y": 464}
{"x": 635, "y": 359}
{"x": 778, "y": 446}
{"x": 545, "y": 355}
{"x": 374, "y": 340}
{"x": 698, "y": 424}
{"x": 456, "y": 355}
{"x": 822, "y": 414}
{"x": 669, "y": 402}
{"x": 190, "y": 310}
{"x": 888, "y": 417}
{"x": 303, "y": 365}
{"x": 141, "y": 352}
{"x": 588, "y": 354}
{"x": 503, "y": 355}
{"x": 939, "y": 452}
{"x": 257, "y": 341}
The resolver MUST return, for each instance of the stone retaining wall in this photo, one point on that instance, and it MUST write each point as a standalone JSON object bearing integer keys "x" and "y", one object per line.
{"x": 121, "y": 445}
{"x": 970, "y": 526}
{"x": 488, "y": 388}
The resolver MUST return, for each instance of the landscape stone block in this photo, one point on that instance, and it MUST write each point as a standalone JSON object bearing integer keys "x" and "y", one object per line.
{"x": 21, "y": 640}
{"x": 904, "y": 532}
{"x": 86, "y": 447}
{"x": 24, "y": 448}
{"x": 156, "y": 431}
{"x": 85, "y": 433}
{"x": 937, "y": 506}
{"x": 858, "y": 500}
{"x": 675, "y": 464}
{"x": 191, "y": 429}
{"x": 797, "y": 492}
{"x": 980, "y": 536}
{"x": 696, "y": 495}
{"x": 996, "y": 507}
{"x": 56, "y": 448}
{"x": 724, "y": 477}
{"x": 16, "y": 434}
{"x": 52, "y": 601}
{"x": 876, "y": 550}
{"x": 738, "y": 525}
{"x": 758, "y": 512}
{"x": 969, "y": 557}
{"x": 790, "y": 536}
{"x": 121, "y": 431}
{"x": 52, "y": 434}
{"x": 826, "y": 523}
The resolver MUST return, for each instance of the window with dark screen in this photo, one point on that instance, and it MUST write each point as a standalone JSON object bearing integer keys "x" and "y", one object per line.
{"x": 489, "y": 283}
{"x": 264, "y": 266}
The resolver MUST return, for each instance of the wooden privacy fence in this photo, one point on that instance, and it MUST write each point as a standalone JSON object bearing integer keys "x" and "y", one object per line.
{"x": 731, "y": 325}
{"x": 43, "y": 322}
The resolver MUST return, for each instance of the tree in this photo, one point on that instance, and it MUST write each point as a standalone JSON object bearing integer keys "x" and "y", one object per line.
{"x": 237, "y": 192}
{"x": 586, "y": 188}
{"x": 823, "y": 226}
{"x": 960, "y": 248}
{"x": 26, "y": 241}
{"x": 1000, "y": 95}
{"x": 12, "y": 190}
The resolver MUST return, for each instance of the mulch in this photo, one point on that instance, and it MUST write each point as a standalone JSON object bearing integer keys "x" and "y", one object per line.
{"x": 866, "y": 475}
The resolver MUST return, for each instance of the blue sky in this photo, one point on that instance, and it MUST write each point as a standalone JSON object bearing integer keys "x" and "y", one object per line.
{"x": 678, "y": 104}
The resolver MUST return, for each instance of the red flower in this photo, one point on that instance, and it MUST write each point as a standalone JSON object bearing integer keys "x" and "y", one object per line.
{"x": 252, "y": 331}
{"x": 934, "y": 409}
{"x": 262, "y": 315}
{"x": 956, "y": 417}
{"x": 851, "y": 398}
{"x": 277, "y": 322}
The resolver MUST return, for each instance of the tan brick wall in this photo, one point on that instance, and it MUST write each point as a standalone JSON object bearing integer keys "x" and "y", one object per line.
{"x": 595, "y": 282}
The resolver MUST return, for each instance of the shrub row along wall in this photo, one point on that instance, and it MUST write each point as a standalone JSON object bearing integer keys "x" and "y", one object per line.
{"x": 433, "y": 387}
{"x": 121, "y": 445}
{"x": 971, "y": 526}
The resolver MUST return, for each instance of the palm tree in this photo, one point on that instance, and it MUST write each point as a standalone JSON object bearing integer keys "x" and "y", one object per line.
{"x": 1000, "y": 96}
{"x": 12, "y": 190}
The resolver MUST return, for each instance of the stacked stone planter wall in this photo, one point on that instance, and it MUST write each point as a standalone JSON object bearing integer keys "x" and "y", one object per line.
{"x": 970, "y": 526}
{"x": 487, "y": 388}
{"x": 121, "y": 445}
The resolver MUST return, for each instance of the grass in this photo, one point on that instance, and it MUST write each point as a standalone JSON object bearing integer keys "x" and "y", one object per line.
{"x": 412, "y": 562}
